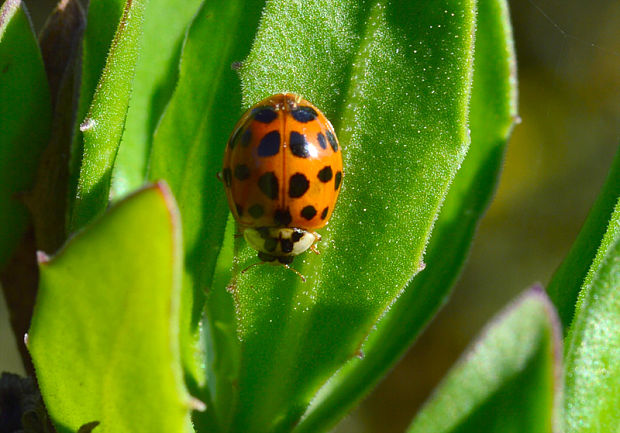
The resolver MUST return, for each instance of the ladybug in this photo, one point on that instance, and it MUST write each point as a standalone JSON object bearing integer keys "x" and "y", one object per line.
{"x": 282, "y": 173}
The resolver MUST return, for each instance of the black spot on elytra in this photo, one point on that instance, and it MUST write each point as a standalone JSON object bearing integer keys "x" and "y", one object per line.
{"x": 256, "y": 211}
{"x": 332, "y": 141}
{"x": 324, "y": 213}
{"x": 296, "y": 236}
{"x": 304, "y": 114}
{"x": 227, "y": 176}
{"x": 308, "y": 212}
{"x": 299, "y": 145}
{"x": 298, "y": 185}
{"x": 271, "y": 244}
{"x": 246, "y": 138}
{"x": 268, "y": 184}
{"x": 287, "y": 245}
{"x": 264, "y": 115}
{"x": 337, "y": 180}
{"x": 322, "y": 140}
{"x": 270, "y": 144}
{"x": 239, "y": 209}
{"x": 282, "y": 217}
{"x": 242, "y": 172}
{"x": 325, "y": 175}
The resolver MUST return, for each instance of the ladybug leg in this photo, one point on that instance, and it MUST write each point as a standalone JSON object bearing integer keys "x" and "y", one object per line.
{"x": 286, "y": 261}
{"x": 317, "y": 238}
{"x": 238, "y": 231}
{"x": 286, "y": 266}
{"x": 266, "y": 258}
{"x": 296, "y": 271}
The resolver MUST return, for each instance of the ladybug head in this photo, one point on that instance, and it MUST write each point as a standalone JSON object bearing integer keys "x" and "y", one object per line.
{"x": 285, "y": 260}
{"x": 279, "y": 245}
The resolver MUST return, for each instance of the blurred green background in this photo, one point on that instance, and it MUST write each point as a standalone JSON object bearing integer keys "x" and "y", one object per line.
{"x": 569, "y": 78}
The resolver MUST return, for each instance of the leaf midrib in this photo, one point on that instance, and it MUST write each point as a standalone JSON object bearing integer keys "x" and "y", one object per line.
{"x": 290, "y": 345}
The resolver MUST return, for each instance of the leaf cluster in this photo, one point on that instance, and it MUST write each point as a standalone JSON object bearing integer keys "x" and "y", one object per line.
{"x": 114, "y": 123}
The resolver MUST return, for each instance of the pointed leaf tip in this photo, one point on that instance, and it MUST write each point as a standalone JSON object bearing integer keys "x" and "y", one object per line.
{"x": 508, "y": 380}
{"x": 593, "y": 340}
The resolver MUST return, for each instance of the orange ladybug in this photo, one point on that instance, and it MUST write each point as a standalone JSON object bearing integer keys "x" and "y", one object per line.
{"x": 282, "y": 174}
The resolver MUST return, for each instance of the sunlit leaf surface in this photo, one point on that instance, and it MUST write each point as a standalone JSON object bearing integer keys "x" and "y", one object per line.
{"x": 395, "y": 81}
{"x": 492, "y": 112}
{"x": 104, "y": 336}
{"x": 103, "y": 126}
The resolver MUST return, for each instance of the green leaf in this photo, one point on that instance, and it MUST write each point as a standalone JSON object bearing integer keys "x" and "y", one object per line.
{"x": 395, "y": 81}
{"x": 592, "y": 355}
{"x": 222, "y": 345}
{"x": 568, "y": 280}
{"x": 189, "y": 143}
{"x": 508, "y": 381}
{"x": 492, "y": 113}
{"x": 103, "y": 127}
{"x": 102, "y": 21}
{"x": 165, "y": 24}
{"x": 26, "y": 112}
{"x": 104, "y": 336}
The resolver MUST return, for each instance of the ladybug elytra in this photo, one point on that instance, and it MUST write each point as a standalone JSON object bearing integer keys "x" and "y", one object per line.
{"x": 282, "y": 174}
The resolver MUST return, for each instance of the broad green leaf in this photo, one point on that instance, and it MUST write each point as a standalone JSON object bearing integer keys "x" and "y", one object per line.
{"x": 568, "y": 280}
{"x": 103, "y": 127}
{"x": 508, "y": 381}
{"x": 165, "y": 24}
{"x": 102, "y": 21}
{"x": 25, "y": 116}
{"x": 492, "y": 112}
{"x": 104, "y": 336}
{"x": 395, "y": 81}
{"x": 189, "y": 143}
{"x": 592, "y": 402}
